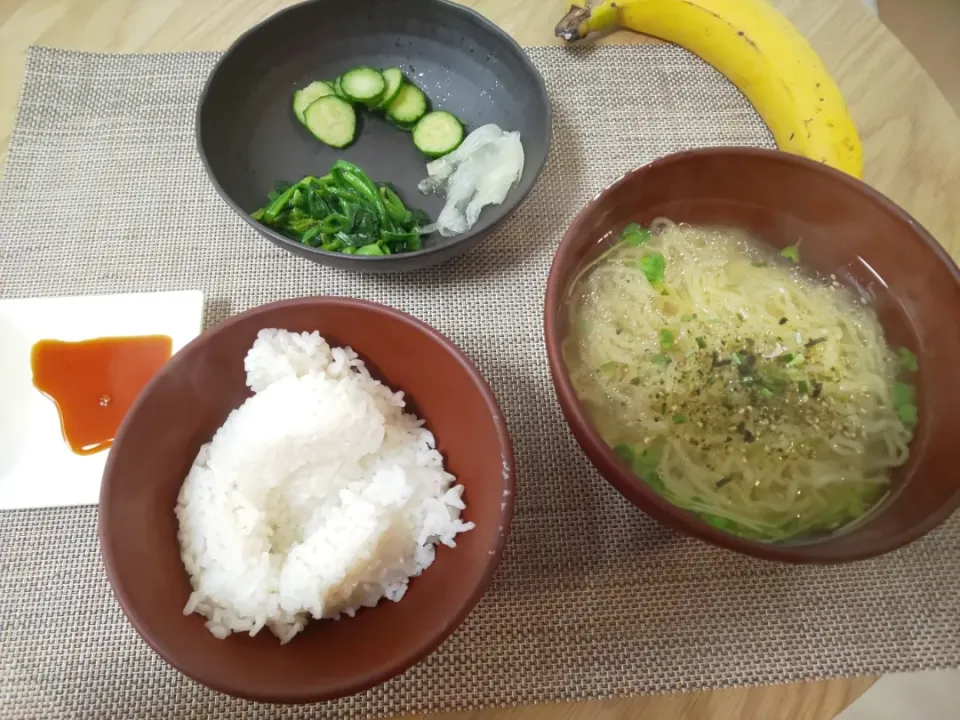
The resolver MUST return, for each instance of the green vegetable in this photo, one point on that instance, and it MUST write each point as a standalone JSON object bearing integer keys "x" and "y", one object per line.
{"x": 624, "y": 452}
{"x": 666, "y": 339}
{"x": 718, "y": 522}
{"x": 654, "y": 481}
{"x": 394, "y": 79}
{"x": 331, "y": 120}
{"x": 679, "y": 419}
{"x": 736, "y": 358}
{"x": 908, "y": 414}
{"x": 908, "y": 361}
{"x": 634, "y": 235}
{"x": 802, "y": 387}
{"x": 795, "y": 361}
{"x": 343, "y": 211}
{"x": 653, "y": 266}
{"x": 407, "y": 106}
{"x": 765, "y": 393}
{"x": 904, "y": 402}
{"x": 661, "y": 359}
{"x": 363, "y": 85}
{"x": 302, "y": 99}
{"x": 903, "y": 394}
{"x": 372, "y": 249}
{"x": 792, "y": 252}
{"x": 701, "y": 342}
{"x": 437, "y": 133}
{"x": 644, "y": 464}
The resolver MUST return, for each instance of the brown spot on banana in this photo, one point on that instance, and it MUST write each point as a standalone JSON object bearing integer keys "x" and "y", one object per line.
{"x": 570, "y": 26}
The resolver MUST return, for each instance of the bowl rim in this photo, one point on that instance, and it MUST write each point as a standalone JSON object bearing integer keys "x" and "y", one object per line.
{"x": 429, "y": 641}
{"x": 603, "y": 457}
{"x": 482, "y": 226}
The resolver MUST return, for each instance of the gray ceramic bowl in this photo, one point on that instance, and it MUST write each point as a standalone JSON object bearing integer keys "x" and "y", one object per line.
{"x": 249, "y": 139}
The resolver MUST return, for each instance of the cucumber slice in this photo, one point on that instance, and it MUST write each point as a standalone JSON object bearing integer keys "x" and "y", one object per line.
{"x": 407, "y": 107}
{"x": 332, "y": 121}
{"x": 394, "y": 79}
{"x": 437, "y": 133}
{"x": 302, "y": 99}
{"x": 337, "y": 89}
{"x": 363, "y": 85}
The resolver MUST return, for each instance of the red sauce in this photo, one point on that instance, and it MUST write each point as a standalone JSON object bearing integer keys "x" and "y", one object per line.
{"x": 94, "y": 382}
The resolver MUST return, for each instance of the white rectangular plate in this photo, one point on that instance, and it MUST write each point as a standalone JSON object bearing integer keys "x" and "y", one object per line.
{"x": 37, "y": 467}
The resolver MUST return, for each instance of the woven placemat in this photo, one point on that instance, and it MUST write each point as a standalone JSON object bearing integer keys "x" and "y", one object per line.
{"x": 593, "y": 599}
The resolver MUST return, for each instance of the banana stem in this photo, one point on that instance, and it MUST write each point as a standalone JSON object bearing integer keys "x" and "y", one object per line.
{"x": 573, "y": 26}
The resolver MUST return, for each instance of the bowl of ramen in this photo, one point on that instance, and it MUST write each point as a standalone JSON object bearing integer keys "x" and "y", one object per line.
{"x": 758, "y": 350}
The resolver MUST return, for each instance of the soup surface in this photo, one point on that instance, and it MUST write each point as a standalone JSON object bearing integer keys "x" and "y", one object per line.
{"x": 736, "y": 384}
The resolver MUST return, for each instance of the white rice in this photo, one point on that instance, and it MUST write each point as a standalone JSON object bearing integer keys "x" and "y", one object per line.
{"x": 318, "y": 496}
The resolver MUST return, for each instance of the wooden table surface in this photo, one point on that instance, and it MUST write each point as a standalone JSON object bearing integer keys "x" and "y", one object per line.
{"x": 911, "y": 141}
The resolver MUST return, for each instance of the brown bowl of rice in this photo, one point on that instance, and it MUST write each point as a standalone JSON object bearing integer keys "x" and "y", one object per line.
{"x": 307, "y": 500}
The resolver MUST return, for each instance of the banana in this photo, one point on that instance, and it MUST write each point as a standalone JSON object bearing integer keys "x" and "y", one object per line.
{"x": 760, "y": 52}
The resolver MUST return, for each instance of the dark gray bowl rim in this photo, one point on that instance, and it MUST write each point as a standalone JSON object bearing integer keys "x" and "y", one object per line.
{"x": 506, "y": 208}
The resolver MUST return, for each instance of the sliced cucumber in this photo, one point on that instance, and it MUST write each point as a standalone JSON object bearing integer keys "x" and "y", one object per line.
{"x": 394, "y": 79}
{"x": 407, "y": 107}
{"x": 337, "y": 89}
{"x": 332, "y": 121}
{"x": 437, "y": 133}
{"x": 302, "y": 99}
{"x": 363, "y": 85}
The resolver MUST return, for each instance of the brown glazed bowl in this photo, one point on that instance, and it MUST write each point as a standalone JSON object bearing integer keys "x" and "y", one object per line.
{"x": 848, "y": 230}
{"x": 180, "y": 410}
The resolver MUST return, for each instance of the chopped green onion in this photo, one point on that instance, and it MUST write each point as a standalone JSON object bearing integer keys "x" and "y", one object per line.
{"x": 802, "y": 387}
{"x": 653, "y": 480}
{"x": 666, "y": 339}
{"x": 701, "y": 342}
{"x": 766, "y": 393}
{"x": 661, "y": 359}
{"x": 718, "y": 522}
{"x": 787, "y": 357}
{"x": 904, "y": 402}
{"x": 736, "y": 358}
{"x": 908, "y": 414}
{"x": 792, "y": 252}
{"x": 908, "y": 360}
{"x": 647, "y": 461}
{"x": 795, "y": 361}
{"x": 653, "y": 266}
{"x": 903, "y": 394}
{"x": 634, "y": 235}
{"x": 624, "y": 452}
{"x": 679, "y": 419}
